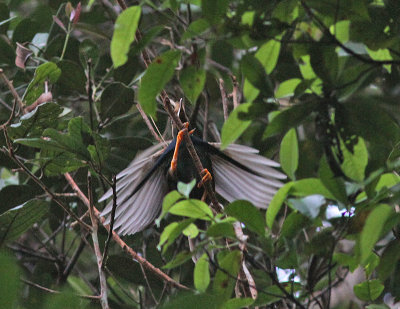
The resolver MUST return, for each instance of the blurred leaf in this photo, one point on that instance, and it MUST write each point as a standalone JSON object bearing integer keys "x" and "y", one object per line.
{"x": 310, "y": 186}
{"x": 33, "y": 123}
{"x": 276, "y": 203}
{"x": 369, "y": 290}
{"x": 116, "y": 100}
{"x": 7, "y": 55}
{"x": 225, "y": 278}
{"x": 196, "y": 28}
{"x": 354, "y": 164}
{"x": 9, "y": 280}
{"x": 222, "y": 229}
{"x": 371, "y": 232}
{"x": 234, "y": 126}
{"x": 192, "y": 81}
{"x": 214, "y": 11}
{"x": 308, "y": 206}
{"x": 193, "y": 209}
{"x": 389, "y": 260}
{"x": 179, "y": 259}
{"x": 248, "y": 214}
{"x": 186, "y": 188}
{"x": 254, "y": 71}
{"x": 201, "y": 274}
{"x": 79, "y": 285}
{"x": 124, "y": 34}
{"x": 45, "y": 72}
{"x": 14, "y": 195}
{"x": 287, "y": 88}
{"x": 169, "y": 200}
{"x": 290, "y": 118}
{"x": 159, "y": 72}
{"x": 294, "y": 223}
{"x": 289, "y": 153}
{"x": 238, "y": 303}
{"x": 334, "y": 184}
{"x": 194, "y": 301}
{"x": 19, "y": 219}
{"x": 268, "y": 55}
{"x": 172, "y": 231}
{"x": 25, "y": 31}
{"x": 72, "y": 77}
{"x": 55, "y": 301}
{"x": 324, "y": 62}
{"x": 191, "y": 231}
{"x": 89, "y": 50}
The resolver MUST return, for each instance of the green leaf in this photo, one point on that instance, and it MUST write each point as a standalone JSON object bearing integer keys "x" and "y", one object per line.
{"x": 248, "y": 214}
{"x": 221, "y": 229}
{"x": 195, "y": 28}
{"x": 32, "y": 124}
{"x": 289, "y": 153}
{"x": 169, "y": 200}
{"x": 276, "y": 203}
{"x": 334, "y": 184}
{"x": 159, "y": 72}
{"x": 225, "y": 278}
{"x": 354, "y": 164}
{"x": 124, "y": 34}
{"x": 116, "y": 100}
{"x": 72, "y": 77}
{"x": 214, "y": 11}
{"x": 191, "y": 231}
{"x": 48, "y": 71}
{"x": 371, "y": 232}
{"x": 234, "y": 126}
{"x": 172, "y": 231}
{"x": 293, "y": 224}
{"x": 308, "y": 206}
{"x": 389, "y": 259}
{"x": 180, "y": 258}
{"x": 9, "y": 281}
{"x": 287, "y": 88}
{"x": 19, "y": 219}
{"x": 290, "y": 118}
{"x": 201, "y": 275}
{"x": 310, "y": 186}
{"x": 186, "y": 188}
{"x": 238, "y": 303}
{"x": 192, "y": 208}
{"x": 192, "y": 81}
{"x": 14, "y": 195}
{"x": 381, "y": 55}
{"x": 369, "y": 290}
{"x": 268, "y": 55}
{"x": 249, "y": 91}
{"x": 254, "y": 71}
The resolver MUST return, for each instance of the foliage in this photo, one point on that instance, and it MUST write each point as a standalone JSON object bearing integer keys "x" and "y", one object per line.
{"x": 312, "y": 84}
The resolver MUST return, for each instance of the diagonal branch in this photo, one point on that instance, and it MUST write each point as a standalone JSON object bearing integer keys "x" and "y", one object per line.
{"x": 146, "y": 264}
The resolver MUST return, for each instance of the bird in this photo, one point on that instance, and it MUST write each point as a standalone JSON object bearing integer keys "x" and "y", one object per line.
{"x": 237, "y": 172}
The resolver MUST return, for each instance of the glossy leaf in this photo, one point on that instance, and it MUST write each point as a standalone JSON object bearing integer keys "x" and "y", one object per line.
{"x": 268, "y": 55}
{"x": 276, "y": 204}
{"x": 124, "y": 34}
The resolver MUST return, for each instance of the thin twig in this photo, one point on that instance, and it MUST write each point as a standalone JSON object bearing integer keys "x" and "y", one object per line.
{"x": 40, "y": 183}
{"x": 146, "y": 264}
{"x": 96, "y": 246}
{"x": 114, "y": 207}
{"x": 235, "y": 91}
{"x": 35, "y": 285}
{"x": 223, "y": 98}
{"x": 12, "y": 89}
{"x": 90, "y": 92}
{"x": 74, "y": 259}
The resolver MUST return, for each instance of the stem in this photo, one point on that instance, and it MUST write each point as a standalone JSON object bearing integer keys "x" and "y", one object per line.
{"x": 66, "y": 41}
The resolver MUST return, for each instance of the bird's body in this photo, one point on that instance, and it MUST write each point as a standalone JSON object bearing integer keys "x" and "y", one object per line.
{"x": 238, "y": 172}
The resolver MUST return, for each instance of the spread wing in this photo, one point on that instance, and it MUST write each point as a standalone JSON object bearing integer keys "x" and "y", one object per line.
{"x": 254, "y": 179}
{"x": 141, "y": 188}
